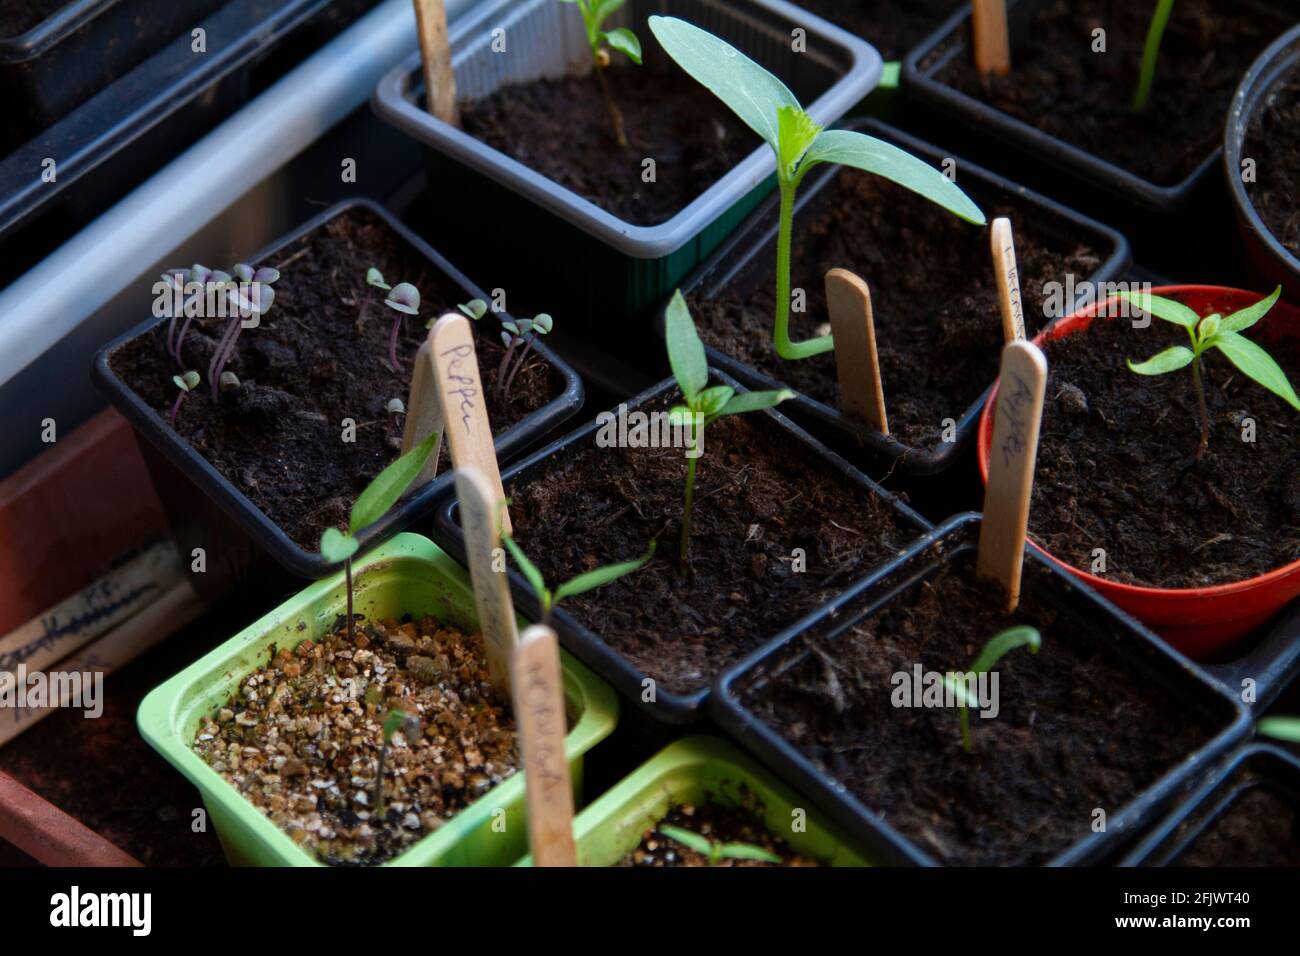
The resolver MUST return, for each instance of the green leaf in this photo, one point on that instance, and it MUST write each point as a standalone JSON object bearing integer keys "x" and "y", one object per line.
{"x": 685, "y": 350}
{"x": 711, "y": 400}
{"x": 602, "y": 576}
{"x": 393, "y": 722}
{"x": 1006, "y": 642}
{"x": 796, "y": 131}
{"x": 1241, "y": 321}
{"x": 1162, "y": 308}
{"x": 692, "y": 841}
{"x": 1257, "y": 364}
{"x": 625, "y": 41}
{"x": 1208, "y": 327}
{"x": 1171, "y": 359}
{"x": 755, "y": 401}
{"x": 390, "y": 484}
{"x": 534, "y": 576}
{"x": 1280, "y": 728}
{"x": 750, "y": 91}
{"x": 602, "y": 10}
{"x": 898, "y": 166}
{"x": 956, "y": 685}
{"x": 681, "y": 417}
{"x": 335, "y": 546}
{"x": 746, "y": 851}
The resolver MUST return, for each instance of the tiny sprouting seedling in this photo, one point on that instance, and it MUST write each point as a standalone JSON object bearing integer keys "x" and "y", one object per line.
{"x": 767, "y": 107}
{"x": 519, "y": 337}
{"x": 249, "y": 293}
{"x": 474, "y": 308}
{"x": 582, "y": 583}
{"x": 594, "y": 14}
{"x": 716, "y": 851}
{"x": 996, "y": 649}
{"x": 404, "y": 299}
{"x": 1280, "y": 728}
{"x": 186, "y": 383}
{"x": 1213, "y": 332}
{"x": 176, "y": 328}
{"x": 703, "y": 405}
{"x": 409, "y": 725}
{"x": 371, "y": 505}
{"x": 1151, "y": 53}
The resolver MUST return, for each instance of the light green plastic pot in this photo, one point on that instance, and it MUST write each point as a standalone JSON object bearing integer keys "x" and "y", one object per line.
{"x": 408, "y": 575}
{"x": 700, "y": 770}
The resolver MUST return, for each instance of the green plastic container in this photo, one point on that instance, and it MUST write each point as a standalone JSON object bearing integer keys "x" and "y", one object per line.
{"x": 409, "y": 574}
{"x": 700, "y": 770}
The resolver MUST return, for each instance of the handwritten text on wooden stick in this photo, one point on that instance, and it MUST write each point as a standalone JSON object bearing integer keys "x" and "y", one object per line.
{"x": 423, "y": 412}
{"x": 1008, "y": 279}
{"x": 479, "y": 507}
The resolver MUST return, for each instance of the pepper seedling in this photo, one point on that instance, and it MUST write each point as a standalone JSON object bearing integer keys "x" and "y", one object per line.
{"x": 716, "y": 851}
{"x": 594, "y": 14}
{"x": 996, "y": 649}
{"x": 582, "y": 583}
{"x": 519, "y": 336}
{"x": 371, "y": 505}
{"x": 767, "y": 107}
{"x": 1211, "y": 332}
{"x": 1151, "y": 53}
{"x": 249, "y": 292}
{"x": 409, "y": 725}
{"x": 404, "y": 299}
{"x": 186, "y": 383}
{"x": 703, "y": 405}
{"x": 1280, "y": 728}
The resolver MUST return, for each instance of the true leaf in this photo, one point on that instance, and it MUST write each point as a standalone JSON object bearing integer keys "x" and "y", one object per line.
{"x": 797, "y": 131}
{"x": 1257, "y": 364}
{"x": 755, "y": 401}
{"x": 1167, "y": 361}
{"x": 711, "y": 400}
{"x": 389, "y": 485}
{"x": 625, "y": 41}
{"x": 602, "y": 576}
{"x": 685, "y": 350}
{"x": 1240, "y": 321}
{"x": 335, "y": 546}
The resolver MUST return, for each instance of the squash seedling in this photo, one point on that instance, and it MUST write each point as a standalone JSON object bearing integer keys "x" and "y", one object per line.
{"x": 1151, "y": 53}
{"x": 249, "y": 292}
{"x": 716, "y": 851}
{"x": 1211, "y": 332}
{"x": 767, "y": 107}
{"x": 996, "y": 649}
{"x": 594, "y": 14}
{"x": 519, "y": 337}
{"x": 371, "y": 505}
{"x": 404, "y": 299}
{"x": 409, "y": 725}
{"x": 581, "y": 584}
{"x": 186, "y": 383}
{"x": 703, "y": 405}
{"x": 1286, "y": 729}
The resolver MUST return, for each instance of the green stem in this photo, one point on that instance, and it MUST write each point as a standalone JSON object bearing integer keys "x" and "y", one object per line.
{"x": 791, "y": 351}
{"x": 966, "y": 742}
{"x": 685, "y": 554}
{"x": 347, "y": 570}
{"x": 615, "y": 115}
{"x": 1203, "y": 407}
{"x": 1155, "y": 34}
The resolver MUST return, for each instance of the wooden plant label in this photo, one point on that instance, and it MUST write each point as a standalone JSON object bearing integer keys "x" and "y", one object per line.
{"x": 539, "y": 714}
{"x": 862, "y": 396}
{"x": 1008, "y": 278}
{"x": 992, "y": 43}
{"x": 460, "y": 392}
{"x": 423, "y": 412}
{"x": 479, "y": 507}
{"x": 1011, "y": 465}
{"x": 435, "y": 50}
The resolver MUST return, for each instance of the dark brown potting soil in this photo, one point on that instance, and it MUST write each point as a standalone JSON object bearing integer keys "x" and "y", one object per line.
{"x": 1273, "y": 141}
{"x": 892, "y": 26}
{"x": 1259, "y": 828}
{"x": 934, "y": 297}
{"x": 319, "y": 356}
{"x": 19, "y": 16}
{"x": 562, "y": 129}
{"x": 1117, "y": 466}
{"x": 1059, "y": 85}
{"x": 758, "y": 497}
{"x": 718, "y": 824}
{"x": 1077, "y": 729}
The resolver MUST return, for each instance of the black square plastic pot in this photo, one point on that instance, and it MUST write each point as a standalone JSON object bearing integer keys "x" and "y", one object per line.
{"x": 81, "y": 48}
{"x": 748, "y": 258}
{"x": 1268, "y": 668}
{"x": 1123, "y": 637}
{"x": 549, "y": 236}
{"x": 205, "y": 510}
{"x": 668, "y": 708}
{"x": 1257, "y": 765}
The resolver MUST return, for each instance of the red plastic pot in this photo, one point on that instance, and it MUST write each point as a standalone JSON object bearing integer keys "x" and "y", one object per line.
{"x": 1201, "y": 622}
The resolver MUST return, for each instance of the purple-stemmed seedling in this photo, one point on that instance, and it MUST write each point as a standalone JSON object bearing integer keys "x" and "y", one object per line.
{"x": 198, "y": 275}
{"x": 525, "y": 333}
{"x": 402, "y": 298}
{"x": 249, "y": 293}
{"x": 186, "y": 383}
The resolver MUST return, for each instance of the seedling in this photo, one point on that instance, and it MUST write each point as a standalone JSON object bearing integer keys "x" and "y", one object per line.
{"x": 371, "y": 505}
{"x": 1280, "y": 728}
{"x": 703, "y": 405}
{"x": 1151, "y": 53}
{"x": 1211, "y": 332}
{"x": 186, "y": 383}
{"x": 589, "y": 581}
{"x": 994, "y": 651}
{"x": 249, "y": 293}
{"x": 519, "y": 337}
{"x": 178, "y": 280}
{"x": 594, "y": 14}
{"x": 404, "y": 299}
{"x": 717, "y": 851}
{"x": 409, "y": 725}
{"x": 768, "y": 108}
